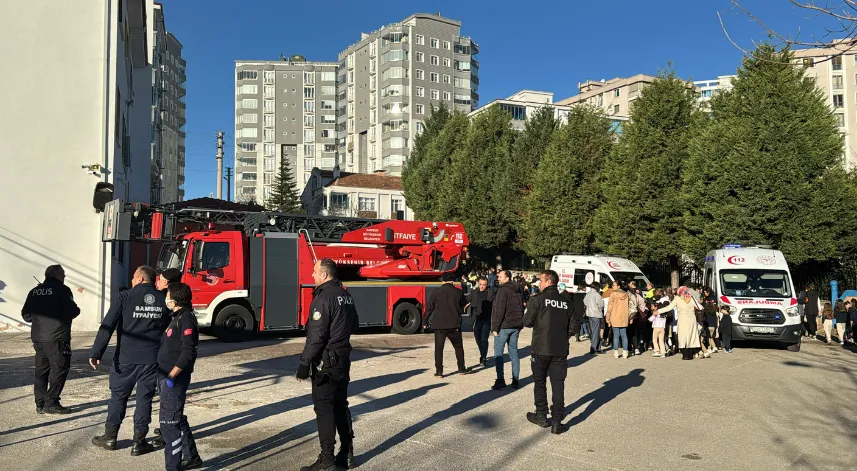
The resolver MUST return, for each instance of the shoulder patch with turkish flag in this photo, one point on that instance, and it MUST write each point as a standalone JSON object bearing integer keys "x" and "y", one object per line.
{"x": 188, "y": 331}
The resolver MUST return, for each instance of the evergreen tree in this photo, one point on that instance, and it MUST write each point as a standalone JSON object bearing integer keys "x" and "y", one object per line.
{"x": 530, "y": 146}
{"x": 565, "y": 192}
{"x": 419, "y": 172}
{"x": 284, "y": 196}
{"x": 767, "y": 168}
{"x": 642, "y": 217}
{"x": 479, "y": 189}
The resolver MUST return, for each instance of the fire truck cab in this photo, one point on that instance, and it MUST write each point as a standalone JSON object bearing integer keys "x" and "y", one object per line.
{"x": 259, "y": 278}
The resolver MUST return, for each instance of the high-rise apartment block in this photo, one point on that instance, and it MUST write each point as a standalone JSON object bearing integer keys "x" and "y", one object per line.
{"x": 283, "y": 109}
{"x": 835, "y": 74}
{"x": 168, "y": 114}
{"x": 390, "y": 79}
{"x": 613, "y": 96}
{"x": 360, "y": 113}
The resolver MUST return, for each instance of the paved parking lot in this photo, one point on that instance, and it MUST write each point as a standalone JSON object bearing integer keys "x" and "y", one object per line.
{"x": 760, "y": 408}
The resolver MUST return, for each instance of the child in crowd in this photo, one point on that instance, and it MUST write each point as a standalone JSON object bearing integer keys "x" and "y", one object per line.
{"x": 659, "y": 323}
{"x": 827, "y": 316}
{"x": 840, "y": 315}
{"x": 724, "y": 328}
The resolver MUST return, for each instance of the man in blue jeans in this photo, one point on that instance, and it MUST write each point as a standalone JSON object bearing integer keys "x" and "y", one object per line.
{"x": 507, "y": 320}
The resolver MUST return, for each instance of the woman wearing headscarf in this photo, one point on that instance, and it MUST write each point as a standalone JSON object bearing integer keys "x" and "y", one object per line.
{"x": 688, "y": 328}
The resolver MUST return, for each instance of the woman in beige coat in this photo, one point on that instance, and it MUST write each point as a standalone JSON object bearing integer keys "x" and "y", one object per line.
{"x": 688, "y": 329}
{"x": 618, "y": 316}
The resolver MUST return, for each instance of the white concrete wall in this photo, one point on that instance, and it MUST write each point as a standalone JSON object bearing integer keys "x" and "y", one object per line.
{"x": 55, "y": 95}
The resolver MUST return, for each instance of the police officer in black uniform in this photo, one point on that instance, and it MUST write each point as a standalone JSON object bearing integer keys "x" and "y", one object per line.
{"x": 551, "y": 316}
{"x": 327, "y": 359}
{"x": 50, "y": 308}
{"x": 141, "y": 316}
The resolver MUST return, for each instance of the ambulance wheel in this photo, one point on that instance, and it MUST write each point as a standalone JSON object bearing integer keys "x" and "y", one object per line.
{"x": 233, "y": 323}
{"x": 794, "y": 347}
{"x": 406, "y": 319}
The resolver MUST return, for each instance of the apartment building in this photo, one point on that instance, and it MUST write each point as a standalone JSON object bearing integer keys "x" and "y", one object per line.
{"x": 835, "y": 74}
{"x": 81, "y": 124}
{"x": 706, "y": 89}
{"x": 377, "y": 195}
{"x": 168, "y": 114}
{"x": 284, "y": 109}
{"x": 388, "y": 82}
{"x": 523, "y": 104}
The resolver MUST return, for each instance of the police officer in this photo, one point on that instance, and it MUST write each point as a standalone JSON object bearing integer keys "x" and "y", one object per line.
{"x": 326, "y": 358}
{"x": 551, "y": 316}
{"x": 141, "y": 316}
{"x": 176, "y": 358}
{"x": 50, "y": 309}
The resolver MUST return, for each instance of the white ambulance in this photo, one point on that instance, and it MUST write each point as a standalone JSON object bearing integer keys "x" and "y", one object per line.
{"x": 756, "y": 284}
{"x": 581, "y": 270}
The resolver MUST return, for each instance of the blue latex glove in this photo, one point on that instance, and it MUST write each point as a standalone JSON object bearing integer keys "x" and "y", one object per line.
{"x": 170, "y": 383}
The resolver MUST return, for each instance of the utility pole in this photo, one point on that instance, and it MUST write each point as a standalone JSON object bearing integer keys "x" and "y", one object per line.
{"x": 228, "y": 179}
{"x": 220, "y": 165}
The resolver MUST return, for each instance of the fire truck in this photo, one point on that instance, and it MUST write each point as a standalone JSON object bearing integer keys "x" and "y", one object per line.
{"x": 251, "y": 271}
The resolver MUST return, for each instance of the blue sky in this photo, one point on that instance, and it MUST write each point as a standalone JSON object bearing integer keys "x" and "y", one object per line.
{"x": 533, "y": 44}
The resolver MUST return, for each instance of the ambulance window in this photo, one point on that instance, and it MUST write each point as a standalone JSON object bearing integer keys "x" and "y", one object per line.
{"x": 215, "y": 255}
{"x": 604, "y": 280}
{"x": 580, "y": 276}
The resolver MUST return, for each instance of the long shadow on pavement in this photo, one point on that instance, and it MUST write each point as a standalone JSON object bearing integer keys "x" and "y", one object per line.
{"x": 611, "y": 389}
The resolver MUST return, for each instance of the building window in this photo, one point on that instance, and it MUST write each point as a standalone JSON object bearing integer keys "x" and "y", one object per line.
{"x": 328, "y": 90}
{"x": 248, "y": 118}
{"x": 434, "y": 77}
{"x": 393, "y": 56}
{"x": 419, "y": 57}
{"x": 615, "y": 109}
{"x": 420, "y": 75}
{"x": 248, "y": 89}
{"x": 248, "y": 177}
{"x": 447, "y": 96}
{"x": 328, "y": 119}
{"x": 434, "y": 60}
{"x": 309, "y": 77}
{"x": 838, "y": 82}
{"x": 248, "y": 132}
{"x": 447, "y": 62}
{"x": 269, "y": 106}
{"x": 269, "y": 91}
{"x": 395, "y": 72}
{"x": 338, "y": 201}
{"x": 419, "y": 109}
{"x": 420, "y": 39}
{"x": 518, "y": 112}
{"x": 419, "y": 126}
{"x": 327, "y": 76}
{"x": 837, "y": 62}
{"x": 269, "y": 135}
{"x": 328, "y": 105}
{"x": 840, "y": 119}
{"x": 309, "y": 106}
{"x": 248, "y": 190}
{"x": 309, "y": 120}
{"x": 434, "y": 43}
{"x": 248, "y": 75}
{"x": 270, "y": 148}
{"x": 309, "y": 92}
{"x": 447, "y": 45}
{"x": 394, "y": 143}
{"x": 309, "y": 135}
{"x": 616, "y": 93}
{"x": 248, "y": 103}
{"x": 267, "y": 178}
{"x": 269, "y": 120}
{"x": 247, "y": 146}
{"x": 397, "y": 205}
{"x": 838, "y": 101}
{"x": 309, "y": 163}
{"x": 392, "y": 161}
{"x": 435, "y": 95}
{"x": 809, "y": 61}
{"x": 269, "y": 76}
{"x": 421, "y": 92}
{"x": 365, "y": 203}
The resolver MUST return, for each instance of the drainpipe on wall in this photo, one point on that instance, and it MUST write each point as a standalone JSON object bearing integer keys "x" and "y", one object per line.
{"x": 105, "y": 149}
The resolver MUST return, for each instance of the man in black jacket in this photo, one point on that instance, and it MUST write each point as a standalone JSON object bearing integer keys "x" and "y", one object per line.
{"x": 480, "y": 309}
{"x": 810, "y": 312}
{"x": 443, "y": 314}
{"x": 327, "y": 359}
{"x": 50, "y": 308}
{"x": 551, "y": 317}
{"x": 176, "y": 358}
{"x": 507, "y": 320}
{"x": 139, "y": 316}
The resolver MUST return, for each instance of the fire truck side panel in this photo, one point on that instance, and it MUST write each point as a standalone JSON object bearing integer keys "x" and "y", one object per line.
{"x": 280, "y": 272}
{"x": 256, "y": 279}
{"x": 371, "y": 302}
{"x": 415, "y": 294}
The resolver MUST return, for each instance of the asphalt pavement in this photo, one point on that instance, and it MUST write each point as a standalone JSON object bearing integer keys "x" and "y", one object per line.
{"x": 760, "y": 408}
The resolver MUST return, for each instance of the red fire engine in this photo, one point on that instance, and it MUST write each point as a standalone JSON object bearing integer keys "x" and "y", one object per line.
{"x": 252, "y": 271}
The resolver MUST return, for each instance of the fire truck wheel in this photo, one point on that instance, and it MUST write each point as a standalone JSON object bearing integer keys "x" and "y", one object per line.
{"x": 406, "y": 319}
{"x": 233, "y": 323}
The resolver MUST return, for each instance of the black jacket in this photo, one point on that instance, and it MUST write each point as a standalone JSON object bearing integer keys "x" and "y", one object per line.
{"x": 578, "y": 309}
{"x": 139, "y": 316}
{"x": 50, "y": 308}
{"x": 445, "y": 307}
{"x": 179, "y": 343}
{"x": 332, "y": 319}
{"x": 507, "y": 312}
{"x": 550, "y": 315}
{"x": 811, "y": 301}
{"x": 480, "y": 303}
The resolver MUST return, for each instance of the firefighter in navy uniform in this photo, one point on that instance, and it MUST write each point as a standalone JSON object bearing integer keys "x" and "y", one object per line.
{"x": 176, "y": 359}
{"x": 140, "y": 316}
{"x": 327, "y": 359}
{"x": 50, "y": 308}
{"x": 551, "y": 316}
{"x": 165, "y": 278}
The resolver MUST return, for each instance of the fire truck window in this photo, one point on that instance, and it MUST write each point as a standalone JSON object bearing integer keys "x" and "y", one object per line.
{"x": 215, "y": 255}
